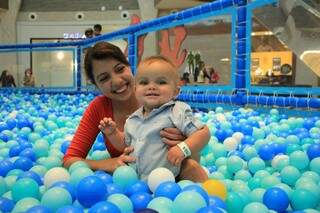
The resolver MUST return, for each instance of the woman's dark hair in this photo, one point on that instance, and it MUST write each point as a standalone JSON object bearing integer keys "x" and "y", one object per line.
{"x": 102, "y": 51}
{"x": 3, "y": 74}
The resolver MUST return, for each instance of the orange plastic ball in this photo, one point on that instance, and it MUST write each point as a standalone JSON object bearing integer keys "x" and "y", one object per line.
{"x": 215, "y": 188}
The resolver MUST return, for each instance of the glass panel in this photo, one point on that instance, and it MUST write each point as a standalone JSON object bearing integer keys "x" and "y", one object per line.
{"x": 201, "y": 50}
{"x": 286, "y": 44}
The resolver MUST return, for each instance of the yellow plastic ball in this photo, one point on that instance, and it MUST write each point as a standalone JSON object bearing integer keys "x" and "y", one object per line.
{"x": 215, "y": 188}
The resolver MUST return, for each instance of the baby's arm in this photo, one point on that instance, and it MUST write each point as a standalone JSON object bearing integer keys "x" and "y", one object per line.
{"x": 115, "y": 136}
{"x": 195, "y": 142}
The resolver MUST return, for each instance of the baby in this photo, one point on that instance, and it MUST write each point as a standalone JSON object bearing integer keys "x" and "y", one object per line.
{"x": 156, "y": 85}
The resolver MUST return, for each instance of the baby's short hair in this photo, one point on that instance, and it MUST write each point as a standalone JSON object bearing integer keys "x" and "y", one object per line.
{"x": 160, "y": 58}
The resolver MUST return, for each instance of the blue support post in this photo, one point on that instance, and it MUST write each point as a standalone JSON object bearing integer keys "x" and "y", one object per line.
{"x": 132, "y": 51}
{"x": 78, "y": 79}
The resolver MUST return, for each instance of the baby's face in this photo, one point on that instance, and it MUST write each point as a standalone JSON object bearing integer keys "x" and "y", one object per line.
{"x": 156, "y": 84}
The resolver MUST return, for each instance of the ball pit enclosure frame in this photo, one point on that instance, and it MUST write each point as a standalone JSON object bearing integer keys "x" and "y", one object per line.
{"x": 240, "y": 89}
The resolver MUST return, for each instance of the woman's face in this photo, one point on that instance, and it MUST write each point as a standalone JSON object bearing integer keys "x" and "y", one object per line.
{"x": 113, "y": 78}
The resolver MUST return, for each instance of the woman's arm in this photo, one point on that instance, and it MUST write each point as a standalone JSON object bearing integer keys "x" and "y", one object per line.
{"x": 108, "y": 165}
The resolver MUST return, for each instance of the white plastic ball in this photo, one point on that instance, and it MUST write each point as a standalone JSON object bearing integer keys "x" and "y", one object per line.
{"x": 54, "y": 175}
{"x": 238, "y": 136}
{"x": 230, "y": 144}
{"x": 158, "y": 176}
{"x": 275, "y": 161}
{"x": 220, "y": 117}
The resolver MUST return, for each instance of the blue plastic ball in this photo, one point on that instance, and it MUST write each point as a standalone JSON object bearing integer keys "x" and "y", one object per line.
{"x": 168, "y": 189}
{"x": 6, "y": 205}
{"x": 31, "y": 174}
{"x": 38, "y": 209}
{"x": 313, "y": 151}
{"x": 217, "y": 202}
{"x": 69, "y": 209}
{"x": 90, "y": 190}
{"x": 139, "y": 186}
{"x": 104, "y": 207}
{"x": 140, "y": 200}
{"x": 5, "y": 167}
{"x": 276, "y": 199}
{"x": 114, "y": 188}
{"x": 266, "y": 152}
{"x": 209, "y": 209}
{"x": 23, "y": 163}
{"x": 105, "y": 177}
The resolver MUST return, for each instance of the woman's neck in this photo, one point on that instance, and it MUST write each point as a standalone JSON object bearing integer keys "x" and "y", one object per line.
{"x": 127, "y": 107}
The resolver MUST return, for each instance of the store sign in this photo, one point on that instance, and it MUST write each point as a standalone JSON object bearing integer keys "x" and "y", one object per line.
{"x": 73, "y": 35}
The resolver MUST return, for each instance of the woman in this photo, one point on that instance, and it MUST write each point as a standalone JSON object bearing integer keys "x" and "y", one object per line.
{"x": 6, "y": 79}
{"x": 107, "y": 67}
{"x": 28, "y": 79}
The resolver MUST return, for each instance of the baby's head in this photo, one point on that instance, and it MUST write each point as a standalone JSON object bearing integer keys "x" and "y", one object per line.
{"x": 156, "y": 82}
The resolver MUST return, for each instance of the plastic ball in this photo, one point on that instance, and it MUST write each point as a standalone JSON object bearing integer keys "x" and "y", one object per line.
{"x": 23, "y": 163}
{"x": 217, "y": 202}
{"x": 146, "y": 210}
{"x": 113, "y": 188}
{"x": 25, "y": 187}
{"x": 160, "y": 203}
{"x": 140, "y": 200}
{"x": 6, "y": 205}
{"x": 55, "y": 198}
{"x": 5, "y": 167}
{"x": 125, "y": 176}
{"x": 69, "y": 209}
{"x": 24, "y": 204}
{"x": 234, "y": 203}
{"x": 210, "y": 209}
{"x": 276, "y": 199}
{"x": 79, "y": 174}
{"x": 168, "y": 189}
{"x": 105, "y": 177}
{"x": 199, "y": 189}
{"x": 38, "y": 209}
{"x": 90, "y": 190}
{"x": 255, "y": 207}
{"x": 315, "y": 165}
{"x": 313, "y": 151}
{"x": 302, "y": 199}
{"x": 139, "y": 186}
{"x": 32, "y": 175}
{"x": 299, "y": 159}
{"x": 215, "y": 188}
{"x": 104, "y": 207}
{"x": 234, "y": 164}
{"x": 158, "y": 176}
{"x": 122, "y": 202}
{"x": 67, "y": 186}
{"x": 238, "y": 136}
{"x": 188, "y": 202}
{"x": 55, "y": 175}
{"x": 255, "y": 164}
{"x": 266, "y": 152}
{"x": 230, "y": 144}
{"x": 77, "y": 165}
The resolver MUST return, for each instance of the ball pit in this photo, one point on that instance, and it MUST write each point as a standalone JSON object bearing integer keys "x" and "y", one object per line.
{"x": 257, "y": 162}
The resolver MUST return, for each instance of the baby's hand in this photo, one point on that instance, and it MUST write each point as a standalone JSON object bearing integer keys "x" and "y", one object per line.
{"x": 175, "y": 155}
{"x": 107, "y": 126}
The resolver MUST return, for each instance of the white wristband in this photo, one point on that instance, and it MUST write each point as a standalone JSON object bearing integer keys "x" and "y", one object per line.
{"x": 185, "y": 149}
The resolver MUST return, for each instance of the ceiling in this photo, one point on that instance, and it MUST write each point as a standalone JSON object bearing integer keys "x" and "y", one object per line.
{"x": 178, "y": 4}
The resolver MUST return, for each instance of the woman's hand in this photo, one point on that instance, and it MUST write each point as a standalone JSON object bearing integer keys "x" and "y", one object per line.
{"x": 175, "y": 156}
{"x": 172, "y": 136}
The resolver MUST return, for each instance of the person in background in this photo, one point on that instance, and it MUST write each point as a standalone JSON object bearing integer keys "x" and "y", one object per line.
{"x": 108, "y": 69}
{"x": 28, "y": 79}
{"x": 97, "y": 28}
{"x": 88, "y": 33}
{"x": 7, "y": 80}
{"x": 156, "y": 86}
{"x": 214, "y": 76}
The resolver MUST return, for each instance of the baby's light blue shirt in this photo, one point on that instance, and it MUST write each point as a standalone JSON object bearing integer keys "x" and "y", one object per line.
{"x": 143, "y": 133}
